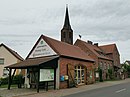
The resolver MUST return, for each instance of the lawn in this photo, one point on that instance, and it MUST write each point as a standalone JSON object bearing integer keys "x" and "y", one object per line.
{"x": 6, "y": 86}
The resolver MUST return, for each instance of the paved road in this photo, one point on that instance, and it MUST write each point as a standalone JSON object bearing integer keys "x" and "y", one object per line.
{"x": 15, "y": 92}
{"x": 122, "y": 90}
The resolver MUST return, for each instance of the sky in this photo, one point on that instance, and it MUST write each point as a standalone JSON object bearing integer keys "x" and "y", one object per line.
{"x": 101, "y": 21}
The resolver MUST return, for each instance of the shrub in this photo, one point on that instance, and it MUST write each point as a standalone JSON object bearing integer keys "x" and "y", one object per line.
{"x": 4, "y": 80}
{"x": 110, "y": 73}
{"x": 16, "y": 80}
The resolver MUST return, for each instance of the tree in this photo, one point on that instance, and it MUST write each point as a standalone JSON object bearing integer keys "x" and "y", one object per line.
{"x": 110, "y": 73}
{"x": 126, "y": 68}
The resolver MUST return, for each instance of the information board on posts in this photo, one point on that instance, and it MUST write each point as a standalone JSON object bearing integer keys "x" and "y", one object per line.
{"x": 46, "y": 74}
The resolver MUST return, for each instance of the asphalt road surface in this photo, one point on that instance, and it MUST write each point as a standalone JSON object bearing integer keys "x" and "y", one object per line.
{"x": 121, "y": 90}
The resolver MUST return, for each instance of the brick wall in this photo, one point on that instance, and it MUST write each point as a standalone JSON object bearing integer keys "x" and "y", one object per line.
{"x": 106, "y": 65}
{"x": 63, "y": 68}
{"x": 95, "y": 57}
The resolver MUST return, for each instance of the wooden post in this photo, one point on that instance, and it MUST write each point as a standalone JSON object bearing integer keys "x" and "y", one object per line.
{"x": 33, "y": 72}
{"x": 9, "y": 80}
{"x": 47, "y": 86}
{"x": 38, "y": 79}
{"x": 54, "y": 78}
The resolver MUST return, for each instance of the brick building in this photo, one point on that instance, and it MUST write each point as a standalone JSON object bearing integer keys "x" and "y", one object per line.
{"x": 63, "y": 63}
{"x": 95, "y": 52}
{"x": 72, "y": 62}
{"x": 112, "y": 52}
{"x": 69, "y": 64}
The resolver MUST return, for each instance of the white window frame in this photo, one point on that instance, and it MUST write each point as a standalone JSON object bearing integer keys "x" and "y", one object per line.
{"x": 2, "y": 61}
{"x": 79, "y": 78}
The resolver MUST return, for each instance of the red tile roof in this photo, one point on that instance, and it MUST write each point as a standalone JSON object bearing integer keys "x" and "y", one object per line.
{"x": 32, "y": 62}
{"x": 108, "y": 48}
{"x": 65, "y": 49}
{"x": 95, "y": 49}
{"x": 12, "y": 52}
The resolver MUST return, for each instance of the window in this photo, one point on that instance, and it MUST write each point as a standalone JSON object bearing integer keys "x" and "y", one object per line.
{"x": 105, "y": 66}
{"x": 79, "y": 74}
{"x": 101, "y": 65}
{"x": 1, "y": 61}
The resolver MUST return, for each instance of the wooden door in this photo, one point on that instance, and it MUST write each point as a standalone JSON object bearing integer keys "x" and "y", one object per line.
{"x": 71, "y": 80}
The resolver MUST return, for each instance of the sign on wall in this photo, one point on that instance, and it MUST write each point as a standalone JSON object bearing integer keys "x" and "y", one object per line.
{"x": 46, "y": 74}
{"x": 42, "y": 49}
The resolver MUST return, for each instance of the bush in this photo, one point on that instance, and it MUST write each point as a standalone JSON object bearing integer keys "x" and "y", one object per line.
{"x": 16, "y": 80}
{"x": 4, "y": 81}
{"x": 110, "y": 73}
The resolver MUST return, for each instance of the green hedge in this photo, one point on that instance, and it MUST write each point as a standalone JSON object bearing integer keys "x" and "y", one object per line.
{"x": 16, "y": 80}
{"x": 4, "y": 81}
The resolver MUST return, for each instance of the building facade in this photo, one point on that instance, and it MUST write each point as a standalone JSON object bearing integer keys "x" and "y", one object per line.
{"x": 7, "y": 57}
{"x": 94, "y": 51}
{"x": 51, "y": 61}
{"x": 63, "y": 63}
{"x": 72, "y": 61}
{"x": 112, "y": 52}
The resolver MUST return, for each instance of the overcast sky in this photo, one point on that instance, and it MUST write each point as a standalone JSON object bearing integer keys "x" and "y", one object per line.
{"x": 103, "y": 21}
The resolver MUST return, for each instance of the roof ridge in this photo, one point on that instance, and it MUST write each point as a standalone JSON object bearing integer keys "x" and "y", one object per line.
{"x": 59, "y": 41}
{"x": 94, "y": 49}
{"x": 12, "y": 52}
{"x": 68, "y": 46}
{"x": 107, "y": 45}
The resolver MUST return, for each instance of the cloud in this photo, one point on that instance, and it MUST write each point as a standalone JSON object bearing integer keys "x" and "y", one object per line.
{"x": 96, "y": 20}
{"x": 107, "y": 19}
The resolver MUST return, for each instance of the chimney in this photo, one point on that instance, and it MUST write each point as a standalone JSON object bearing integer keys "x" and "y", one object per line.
{"x": 96, "y": 44}
{"x": 90, "y": 42}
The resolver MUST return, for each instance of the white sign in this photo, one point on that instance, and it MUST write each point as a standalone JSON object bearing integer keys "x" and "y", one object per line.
{"x": 46, "y": 74}
{"x": 42, "y": 49}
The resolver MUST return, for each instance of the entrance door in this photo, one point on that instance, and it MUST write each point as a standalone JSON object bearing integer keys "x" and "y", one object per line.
{"x": 79, "y": 74}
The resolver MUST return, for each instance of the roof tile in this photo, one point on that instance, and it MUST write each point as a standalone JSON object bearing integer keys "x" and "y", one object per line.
{"x": 95, "y": 49}
{"x": 66, "y": 49}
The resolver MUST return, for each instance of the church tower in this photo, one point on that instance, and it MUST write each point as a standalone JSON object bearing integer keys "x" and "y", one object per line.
{"x": 67, "y": 32}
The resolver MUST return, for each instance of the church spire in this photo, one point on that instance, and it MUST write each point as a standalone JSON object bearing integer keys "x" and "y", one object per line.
{"x": 67, "y": 32}
{"x": 67, "y": 22}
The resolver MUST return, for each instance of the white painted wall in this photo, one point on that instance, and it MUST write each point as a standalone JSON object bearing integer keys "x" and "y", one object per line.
{"x": 42, "y": 49}
{"x": 58, "y": 76}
